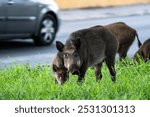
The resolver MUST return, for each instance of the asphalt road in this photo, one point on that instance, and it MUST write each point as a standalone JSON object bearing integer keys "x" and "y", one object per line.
{"x": 24, "y": 51}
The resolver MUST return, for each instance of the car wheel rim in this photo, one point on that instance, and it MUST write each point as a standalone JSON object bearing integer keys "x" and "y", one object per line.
{"x": 47, "y": 30}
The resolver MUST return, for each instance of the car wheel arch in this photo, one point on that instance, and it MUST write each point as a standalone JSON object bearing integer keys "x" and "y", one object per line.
{"x": 39, "y": 37}
{"x": 40, "y": 18}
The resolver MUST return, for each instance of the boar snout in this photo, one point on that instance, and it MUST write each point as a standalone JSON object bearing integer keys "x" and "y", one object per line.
{"x": 74, "y": 70}
{"x": 60, "y": 80}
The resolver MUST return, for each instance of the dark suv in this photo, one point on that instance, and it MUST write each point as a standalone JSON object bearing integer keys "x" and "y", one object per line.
{"x": 37, "y": 19}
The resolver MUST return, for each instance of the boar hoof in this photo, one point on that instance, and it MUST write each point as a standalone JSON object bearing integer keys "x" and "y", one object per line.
{"x": 114, "y": 79}
{"x": 79, "y": 83}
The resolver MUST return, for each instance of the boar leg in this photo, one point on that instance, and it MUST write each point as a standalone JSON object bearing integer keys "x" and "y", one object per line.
{"x": 82, "y": 73}
{"x": 98, "y": 73}
{"x": 146, "y": 57}
{"x": 110, "y": 62}
{"x": 67, "y": 76}
{"x": 123, "y": 52}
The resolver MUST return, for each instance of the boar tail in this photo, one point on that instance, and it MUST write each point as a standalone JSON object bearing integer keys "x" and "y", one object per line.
{"x": 139, "y": 42}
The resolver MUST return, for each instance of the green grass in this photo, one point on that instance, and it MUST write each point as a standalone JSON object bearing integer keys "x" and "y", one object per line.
{"x": 24, "y": 82}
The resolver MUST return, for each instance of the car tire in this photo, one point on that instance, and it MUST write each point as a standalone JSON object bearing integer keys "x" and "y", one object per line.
{"x": 47, "y": 31}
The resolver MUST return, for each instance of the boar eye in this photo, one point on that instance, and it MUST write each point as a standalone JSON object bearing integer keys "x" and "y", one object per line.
{"x": 66, "y": 55}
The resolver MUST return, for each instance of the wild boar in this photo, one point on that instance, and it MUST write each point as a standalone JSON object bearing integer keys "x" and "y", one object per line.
{"x": 125, "y": 36}
{"x": 144, "y": 51}
{"x": 89, "y": 47}
{"x": 60, "y": 72}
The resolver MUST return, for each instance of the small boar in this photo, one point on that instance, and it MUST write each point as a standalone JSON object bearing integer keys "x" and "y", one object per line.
{"x": 125, "y": 36}
{"x": 89, "y": 47}
{"x": 60, "y": 72}
{"x": 144, "y": 51}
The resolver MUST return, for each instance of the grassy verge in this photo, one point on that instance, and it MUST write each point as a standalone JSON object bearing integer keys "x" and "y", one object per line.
{"x": 24, "y": 82}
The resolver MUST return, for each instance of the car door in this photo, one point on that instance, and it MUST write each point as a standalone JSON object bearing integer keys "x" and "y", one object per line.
{"x": 21, "y": 16}
{"x": 2, "y": 16}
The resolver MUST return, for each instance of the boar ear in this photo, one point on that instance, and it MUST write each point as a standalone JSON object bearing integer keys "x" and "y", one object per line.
{"x": 77, "y": 42}
{"x": 54, "y": 68}
{"x": 59, "y": 45}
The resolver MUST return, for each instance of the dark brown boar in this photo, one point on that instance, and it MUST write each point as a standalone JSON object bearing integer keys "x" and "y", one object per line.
{"x": 89, "y": 47}
{"x": 144, "y": 51}
{"x": 60, "y": 72}
{"x": 125, "y": 36}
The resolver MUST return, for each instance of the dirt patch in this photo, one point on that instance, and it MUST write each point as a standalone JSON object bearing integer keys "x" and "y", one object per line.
{"x": 72, "y": 4}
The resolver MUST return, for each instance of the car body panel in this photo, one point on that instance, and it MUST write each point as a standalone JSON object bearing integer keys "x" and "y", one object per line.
{"x": 21, "y": 15}
{"x": 22, "y": 18}
{"x": 2, "y": 17}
